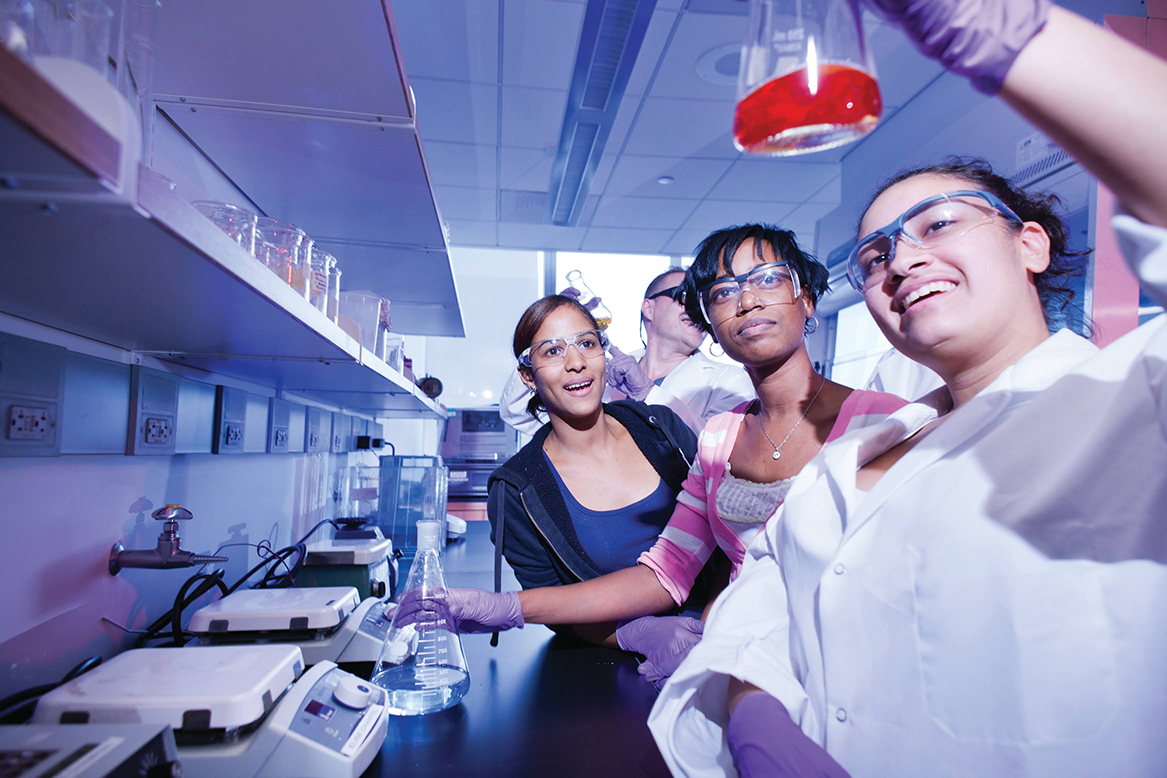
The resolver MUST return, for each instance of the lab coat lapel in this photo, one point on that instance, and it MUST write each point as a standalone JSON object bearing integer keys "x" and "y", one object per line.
{"x": 954, "y": 432}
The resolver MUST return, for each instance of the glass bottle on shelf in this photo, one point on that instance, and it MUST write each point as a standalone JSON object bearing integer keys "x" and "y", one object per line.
{"x": 422, "y": 666}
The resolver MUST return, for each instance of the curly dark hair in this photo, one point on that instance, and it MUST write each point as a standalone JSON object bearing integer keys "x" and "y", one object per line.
{"x": 1053, "y": 284}
{"x": 716, "y": 253}
{"x": 529, "y": 324}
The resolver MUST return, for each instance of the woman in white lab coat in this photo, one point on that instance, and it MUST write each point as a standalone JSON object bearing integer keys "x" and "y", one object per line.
{"x": 974, "y": 586}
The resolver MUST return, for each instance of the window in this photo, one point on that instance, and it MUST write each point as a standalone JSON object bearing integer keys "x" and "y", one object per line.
{"x": 858, "y": 346}
{"x": 620, "y": 280}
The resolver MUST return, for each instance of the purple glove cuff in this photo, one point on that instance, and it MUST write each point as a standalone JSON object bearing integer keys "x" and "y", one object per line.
{"x": 765, "y": 742}
{"x": 978, "y": 39}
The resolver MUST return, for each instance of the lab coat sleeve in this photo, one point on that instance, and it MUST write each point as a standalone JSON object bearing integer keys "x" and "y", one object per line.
{"x": 1145, "y": 249}
{"x": 747, "y": 637}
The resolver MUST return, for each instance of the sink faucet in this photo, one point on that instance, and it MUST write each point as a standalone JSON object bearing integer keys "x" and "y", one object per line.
{"x": 167, "y": 554}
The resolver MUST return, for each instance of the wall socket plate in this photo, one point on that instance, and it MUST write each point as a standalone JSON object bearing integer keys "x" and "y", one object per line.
{"x": 153, "y": 426}
{"x": 230, "y": 420}
{"x": 279, "y": 426}
{"x": 341, "y": 432}
{"x": 317, "y": 431}
{"x": 32, "y": 386}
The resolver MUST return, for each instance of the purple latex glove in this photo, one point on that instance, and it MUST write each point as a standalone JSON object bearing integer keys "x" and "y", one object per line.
{"x": 766, "y": 743}
{"x": 624, "y": 373}
{"x": 575, "y": 294}
{"x": 663, "y": 640}
{"x": 975, "y": 38}
{"x": 461, "y": 610}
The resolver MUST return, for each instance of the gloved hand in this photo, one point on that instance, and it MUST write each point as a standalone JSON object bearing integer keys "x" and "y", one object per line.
{"x": 974, "y": 38}
{"x": 575, "y": 294}
{"x": 624, "y": 373}
{"x": 663, "y": 640}
{"x": 766, "y": 743}
{"x": 461, "y": 610}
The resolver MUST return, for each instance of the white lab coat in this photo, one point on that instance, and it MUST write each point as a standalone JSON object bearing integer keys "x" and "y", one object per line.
{"x": 896, "y": 374}
{"x": 993, "y": 607}
{"x": 696, "y": 390}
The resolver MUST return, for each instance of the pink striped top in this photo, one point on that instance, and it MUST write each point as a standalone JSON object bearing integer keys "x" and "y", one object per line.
{"x": 695, "y": 528}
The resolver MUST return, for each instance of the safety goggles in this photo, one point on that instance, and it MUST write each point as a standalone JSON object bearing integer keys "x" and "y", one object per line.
{"x": 774, "y": 283}
{"x": 927, "y": 224}
{"x": 672, "y": 290}
{"x": 589, "y": 344}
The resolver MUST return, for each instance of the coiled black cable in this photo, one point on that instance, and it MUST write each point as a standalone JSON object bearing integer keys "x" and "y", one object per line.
{"x": 17, "y": 708}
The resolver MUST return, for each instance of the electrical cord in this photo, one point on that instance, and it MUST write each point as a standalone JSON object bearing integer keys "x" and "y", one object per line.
{"x": 12, "y": 707}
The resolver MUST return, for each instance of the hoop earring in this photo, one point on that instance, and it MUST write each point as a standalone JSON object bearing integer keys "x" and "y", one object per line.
{"x": 811, "y": 325}
{"x": 715, "y": 343}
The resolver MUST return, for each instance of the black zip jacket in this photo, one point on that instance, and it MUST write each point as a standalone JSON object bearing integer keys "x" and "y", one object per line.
{"x": 529, "y": 521}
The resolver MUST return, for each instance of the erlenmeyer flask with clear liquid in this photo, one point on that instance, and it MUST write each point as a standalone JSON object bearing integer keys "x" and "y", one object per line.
{"x": 422, "y": 666}
{"x": 589, "y": 299}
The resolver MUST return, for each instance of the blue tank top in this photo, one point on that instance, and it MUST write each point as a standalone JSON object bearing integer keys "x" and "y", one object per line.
{"x": 614, "y": 539}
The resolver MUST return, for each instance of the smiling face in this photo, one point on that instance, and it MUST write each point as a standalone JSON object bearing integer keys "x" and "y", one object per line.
{"x": 574, "y": 387}
{"x": 666, "y": 320}
{"x": 759, "y": 331}
{"x": 960, "y": 303}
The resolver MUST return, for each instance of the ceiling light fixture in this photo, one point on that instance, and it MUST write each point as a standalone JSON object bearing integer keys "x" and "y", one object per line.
{"x": 665, "y": 180}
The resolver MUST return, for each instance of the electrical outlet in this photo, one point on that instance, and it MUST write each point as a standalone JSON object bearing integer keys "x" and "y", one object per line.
{"x": 25, "y": 423}
{"x": 280, "y": 438}
{"x": 279, "y": 426}
{"x": 317, "y": 431}
{"x": 313, "y": 441}
{"x": 234, "y": 435}
{"x": 159, "y": 431}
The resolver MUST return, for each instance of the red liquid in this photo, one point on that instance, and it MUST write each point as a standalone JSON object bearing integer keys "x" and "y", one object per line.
{"x": 783, "y": 117}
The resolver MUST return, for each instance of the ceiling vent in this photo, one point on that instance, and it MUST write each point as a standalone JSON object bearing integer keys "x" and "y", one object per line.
{"x": 609, "y": 42}
{"x": 519, "y": 207}
{"x": 1038, "y": 158}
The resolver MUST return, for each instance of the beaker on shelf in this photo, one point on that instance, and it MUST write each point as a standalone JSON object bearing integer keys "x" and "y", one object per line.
{"x": 422, "y": 666}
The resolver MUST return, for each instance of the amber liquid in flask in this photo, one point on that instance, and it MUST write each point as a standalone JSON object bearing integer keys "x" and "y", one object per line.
{"x": 807, "y": 111}
{"x": 422, "y": 666}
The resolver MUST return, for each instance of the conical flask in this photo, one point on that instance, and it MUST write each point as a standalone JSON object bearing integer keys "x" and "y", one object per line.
{"x": 422, "y": 666}
{"x": 589, "y": 299}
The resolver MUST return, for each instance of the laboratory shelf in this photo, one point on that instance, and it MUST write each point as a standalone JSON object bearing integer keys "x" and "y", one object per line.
{"x": 153, "y": 276}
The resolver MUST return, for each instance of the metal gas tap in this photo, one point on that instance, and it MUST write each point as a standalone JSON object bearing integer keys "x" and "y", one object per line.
{"x": 167, "y": 554}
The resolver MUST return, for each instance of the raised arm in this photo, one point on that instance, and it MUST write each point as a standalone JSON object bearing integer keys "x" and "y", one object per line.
{"x": 1101, "y": 99}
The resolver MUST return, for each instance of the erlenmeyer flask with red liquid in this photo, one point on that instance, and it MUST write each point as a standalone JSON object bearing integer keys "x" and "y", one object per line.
{"x": 806, "y": 82}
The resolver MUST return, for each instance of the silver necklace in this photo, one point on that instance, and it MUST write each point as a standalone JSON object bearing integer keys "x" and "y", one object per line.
{"x": 778, "y": 447}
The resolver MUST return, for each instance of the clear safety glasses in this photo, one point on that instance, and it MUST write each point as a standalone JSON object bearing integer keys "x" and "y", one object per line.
{"x": 774, "y": 283}
{"x": 925, "y": 225}
{"x": 589, "y": 344}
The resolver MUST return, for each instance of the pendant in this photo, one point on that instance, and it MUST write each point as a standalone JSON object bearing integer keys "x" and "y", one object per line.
{"x": 776, "y": 453}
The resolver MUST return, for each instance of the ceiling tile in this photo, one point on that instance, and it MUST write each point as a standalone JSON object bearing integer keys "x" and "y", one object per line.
{"x": 642, "y": 213}
{"x": 532, "y": 118}
{"x": 453, "y": 111}
{"x": 716, "y": 214}
{"x": 540, "y": 236}
{"x": 526, "y": 169}
{"x": 626, "y": 241}
{"x": 660, "y": 27}
{"x": 698, "y": 35}
{"x": 461, "y": 164}
{"x": 457, "y": 202}
{"x": 670, "y": 127}
{"x": 539, "y": 43}
{"x": 451, "y": 39}
{"x": 774, "y": 180}
{"x": 685, "y": 242}
{"x": 472, "y": 233}
{"x": 638, "y": 177}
